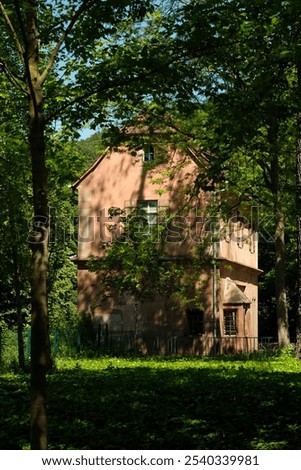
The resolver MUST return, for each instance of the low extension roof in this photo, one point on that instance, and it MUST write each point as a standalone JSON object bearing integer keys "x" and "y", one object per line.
{"x": 233, "y": 295}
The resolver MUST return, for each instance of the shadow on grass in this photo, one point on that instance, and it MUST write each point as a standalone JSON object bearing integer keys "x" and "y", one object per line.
{"x": 155, "y": 408}
{"x": 14, "y": 411}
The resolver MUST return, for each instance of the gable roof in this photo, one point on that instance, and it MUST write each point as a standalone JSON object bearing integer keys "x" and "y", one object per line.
{"x": 199, "y": 158}
{"x": 91, "y": 168}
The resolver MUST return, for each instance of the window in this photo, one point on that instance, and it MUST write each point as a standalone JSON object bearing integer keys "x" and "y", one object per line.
{"x": 150, "y": 209}
{"x": 195, "y": 319}
{"x": 230, "y": 322}
{"x": 149, "y": 153}
{"x": 241, "y": 287}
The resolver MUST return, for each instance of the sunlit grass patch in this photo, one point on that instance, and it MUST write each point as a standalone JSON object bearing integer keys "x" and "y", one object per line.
{"x": 163, "y": 403}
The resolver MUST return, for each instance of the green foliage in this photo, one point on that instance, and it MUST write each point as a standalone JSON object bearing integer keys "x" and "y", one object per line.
{"x": 15, "y": 197}
{"x": 8, "y": 347}
{"x": 136, "y": 262}
{"x": 14, "y": 389}
{"x": 238, "y": 105}
{"x": 246, "y": 402}
{"x": 62, "y": 296}
{"x": 62, "y": 278}
{"x": 91, "y": 147}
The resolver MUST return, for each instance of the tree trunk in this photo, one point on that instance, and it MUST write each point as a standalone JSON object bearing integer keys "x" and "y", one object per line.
{"x": 298, "y": 210}
{"x": 17, "y": 280}
{"x": 280, "y": 286}
{"x": 40, "y": 350}
{"x": 20, "y": 326}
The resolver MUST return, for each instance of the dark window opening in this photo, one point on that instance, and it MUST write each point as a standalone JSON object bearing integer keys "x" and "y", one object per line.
{"x": 195, "y": 318}
{"x": 149, "y": 153}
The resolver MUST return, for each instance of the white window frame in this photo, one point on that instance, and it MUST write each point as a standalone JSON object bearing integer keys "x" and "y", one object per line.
{"x": 150, "y": 207}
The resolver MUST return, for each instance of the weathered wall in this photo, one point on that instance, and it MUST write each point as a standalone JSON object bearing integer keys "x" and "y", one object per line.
{"x": 120, "y": 180}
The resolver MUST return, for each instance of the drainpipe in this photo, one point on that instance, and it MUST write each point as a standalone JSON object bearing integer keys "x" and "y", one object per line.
{"x": 215, "y": 239}
{"x": 214, "y": 274}
{"x": 214, "y": 282}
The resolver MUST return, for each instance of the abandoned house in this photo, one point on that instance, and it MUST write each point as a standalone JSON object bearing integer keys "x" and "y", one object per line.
{"x": 225, "y": 318}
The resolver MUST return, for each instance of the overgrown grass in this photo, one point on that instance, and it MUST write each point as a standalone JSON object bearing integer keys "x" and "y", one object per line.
{"x": 162, "y": 403}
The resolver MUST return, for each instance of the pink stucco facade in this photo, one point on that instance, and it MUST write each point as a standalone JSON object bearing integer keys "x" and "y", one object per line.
{"x": 228, "y": 320}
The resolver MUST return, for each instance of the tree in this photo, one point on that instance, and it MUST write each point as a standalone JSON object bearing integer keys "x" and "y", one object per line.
{"x": 243, "y": 73}
{"x": 14, "y": 196}
{"x": 298, "y": 184}
{"x": 61, "y": 280}
{"x": 247, "y": 81}
{"x": 66, "y": 60}
{"x": 239, "y": 69}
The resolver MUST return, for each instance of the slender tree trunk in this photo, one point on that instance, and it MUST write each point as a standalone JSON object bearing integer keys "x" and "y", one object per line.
{"x": 21, "y": 353}
{"x": 40, "y": 350}
{"x": 280, "y": 285}
{"x": 20, "y": 326}
{"x": 17, "y": 281}
{"x": 298, "y": 210}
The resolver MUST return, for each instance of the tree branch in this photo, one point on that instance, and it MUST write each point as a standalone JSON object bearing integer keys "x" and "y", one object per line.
{"x": 266, "y": 172}
{"x": 108, "y": 86}
{"x": 105, "y": 87}
{"x": 82, "y": 9}
{"x": 31, "y": 14}
{"x": 12, "y": 31}
{"x": 12, "y": 77}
